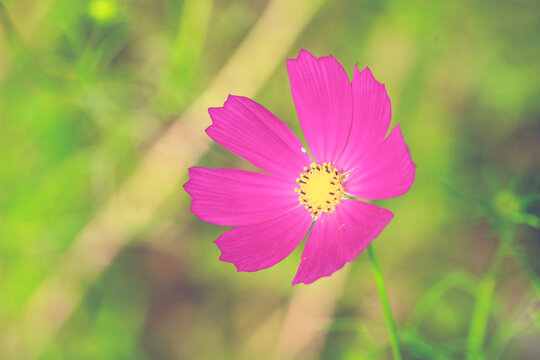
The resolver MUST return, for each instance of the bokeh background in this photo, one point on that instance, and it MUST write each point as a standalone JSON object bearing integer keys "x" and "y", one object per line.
{"x": 102, "y": 109}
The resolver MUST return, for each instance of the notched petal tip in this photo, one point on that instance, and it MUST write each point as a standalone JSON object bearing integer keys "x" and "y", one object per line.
{"x": 366, "y": 70}
{"x": 223, "y": 257}
{"x": 215, "y": 111}
{"x": 190, "y": 188}
{"x": 305, "y": 55}
{"x": 235, "y": 99}
{"x": 230, "y": 97}
{"x": 188, "y": 184}
{"x": 367, "y": 75}
{"x": 357, "y": 70}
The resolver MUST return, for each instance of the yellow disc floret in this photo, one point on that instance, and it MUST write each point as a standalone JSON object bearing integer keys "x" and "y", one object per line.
{"x": 321, "y": 188}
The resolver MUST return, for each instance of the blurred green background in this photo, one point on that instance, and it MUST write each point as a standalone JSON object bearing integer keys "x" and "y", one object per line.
{"x": 102, "y": 109}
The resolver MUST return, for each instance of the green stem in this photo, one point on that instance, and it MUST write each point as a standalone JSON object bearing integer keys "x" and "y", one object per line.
{"x": 385, "y": 304}
{"x": 483, "y": 299}
{"x": 480, "y": 317}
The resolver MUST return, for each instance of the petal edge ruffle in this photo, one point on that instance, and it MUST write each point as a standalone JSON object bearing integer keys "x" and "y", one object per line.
{"x": 322, "y": 95}
{"x": 234, "y": 197}
{"x": 249, "y": 130}
{"x": 260, "y": 246}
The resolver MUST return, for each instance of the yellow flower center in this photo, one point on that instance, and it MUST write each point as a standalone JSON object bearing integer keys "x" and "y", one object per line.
{"x": 321, "y": 188}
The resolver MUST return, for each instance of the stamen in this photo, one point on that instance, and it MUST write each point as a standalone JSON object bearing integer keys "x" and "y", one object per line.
{"x": 320, "y": 188}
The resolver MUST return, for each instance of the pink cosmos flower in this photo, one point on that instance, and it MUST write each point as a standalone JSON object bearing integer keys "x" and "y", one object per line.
{"x": 345, "y": 127}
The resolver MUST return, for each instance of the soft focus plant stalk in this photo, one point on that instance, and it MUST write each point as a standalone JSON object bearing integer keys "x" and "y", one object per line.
{"x": 394, "y": 339}
{"x": 506, "y": 210}
{"x": 484, "y": 296}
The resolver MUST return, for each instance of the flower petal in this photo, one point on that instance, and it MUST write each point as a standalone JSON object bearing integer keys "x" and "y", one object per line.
{"x": 338, "y": 238}
{"x": 260, "y": 246}
{"x": 387, "y": 170}
{"x": 236, "y": 197}
{"x": 371, "y": 118}
{"x": 251, "y": 131}
{"x": 322, "y": 95}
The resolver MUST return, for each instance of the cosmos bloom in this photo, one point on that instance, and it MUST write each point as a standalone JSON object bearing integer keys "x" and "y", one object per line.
{"x": 345, "y": 126}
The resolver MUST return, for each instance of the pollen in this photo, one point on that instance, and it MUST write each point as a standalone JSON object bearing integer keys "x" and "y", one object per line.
{"x": 320, "y": 188}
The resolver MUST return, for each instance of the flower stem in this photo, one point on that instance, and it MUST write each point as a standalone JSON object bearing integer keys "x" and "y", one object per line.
{"x": 385, "y": 304}
{"x": 483, "y": 298}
